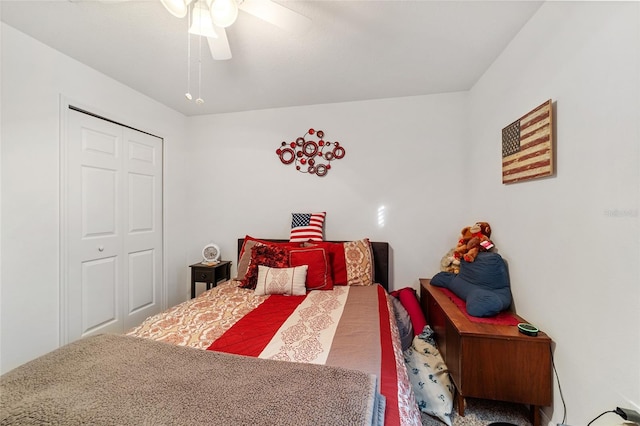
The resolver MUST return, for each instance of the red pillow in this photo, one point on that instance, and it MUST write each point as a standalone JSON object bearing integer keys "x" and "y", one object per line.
{"x": 355, "y": 270}
{"x": 409, "y": 300}
{"x": 319, "y": 273}
{"x": 244, "y": 259}
{"x": 267, "y": 255}
{"x": 337, "y": 263}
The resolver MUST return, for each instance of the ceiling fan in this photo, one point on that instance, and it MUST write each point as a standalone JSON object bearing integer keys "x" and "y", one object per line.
{"x": 209, "y": 18}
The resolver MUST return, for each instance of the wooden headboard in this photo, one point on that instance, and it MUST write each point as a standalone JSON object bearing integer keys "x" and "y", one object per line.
{"x": 380, "y": 259}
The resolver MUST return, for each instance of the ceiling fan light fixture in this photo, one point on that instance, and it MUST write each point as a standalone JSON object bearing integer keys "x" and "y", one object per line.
{"x": 201, "y": 22}
{"x": 177, "y": 8}
{"x": 223, "y": 12}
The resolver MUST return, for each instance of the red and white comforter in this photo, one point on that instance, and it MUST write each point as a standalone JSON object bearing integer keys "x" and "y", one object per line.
{"x": 351, "y": 327}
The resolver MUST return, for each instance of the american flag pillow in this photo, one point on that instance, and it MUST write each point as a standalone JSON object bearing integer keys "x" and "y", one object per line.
{"x": 306, "y": 227}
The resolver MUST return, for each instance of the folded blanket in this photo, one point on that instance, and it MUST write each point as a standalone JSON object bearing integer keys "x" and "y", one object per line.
{"x": 113, "y": 379}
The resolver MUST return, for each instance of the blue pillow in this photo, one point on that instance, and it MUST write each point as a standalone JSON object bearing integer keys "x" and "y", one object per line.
{"x": 483, "y": 284}
{"x": 403, "y": 321}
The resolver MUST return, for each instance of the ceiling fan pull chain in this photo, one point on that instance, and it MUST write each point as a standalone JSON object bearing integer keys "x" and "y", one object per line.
{"x": 188, "y": 94}
{"x": 200, "y": 101}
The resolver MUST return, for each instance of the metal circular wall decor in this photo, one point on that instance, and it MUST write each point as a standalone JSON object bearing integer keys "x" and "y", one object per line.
{"x": 311, "y": 153}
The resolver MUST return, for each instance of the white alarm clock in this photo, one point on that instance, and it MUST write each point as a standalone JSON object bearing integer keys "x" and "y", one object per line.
{"x": 210, "y": 253}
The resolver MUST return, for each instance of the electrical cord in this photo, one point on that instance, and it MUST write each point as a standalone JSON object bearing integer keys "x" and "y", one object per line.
{"x": 564, "y": 405}
{"x": 600, "y": 415}
{"x": 617, "y": 411}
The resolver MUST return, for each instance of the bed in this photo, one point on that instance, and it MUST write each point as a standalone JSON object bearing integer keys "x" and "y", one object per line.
{"x": 341, "y": 347}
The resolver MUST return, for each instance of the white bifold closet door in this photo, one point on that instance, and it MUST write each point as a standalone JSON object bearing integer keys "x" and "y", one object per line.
{"x": 113, "y": 226}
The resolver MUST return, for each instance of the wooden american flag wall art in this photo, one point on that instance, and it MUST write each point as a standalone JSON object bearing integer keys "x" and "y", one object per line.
{"x": 527, "y": 146}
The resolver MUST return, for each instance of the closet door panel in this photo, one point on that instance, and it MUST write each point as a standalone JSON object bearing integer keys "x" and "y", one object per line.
{"x": 143, "y": 237}
{"x": 142, "y": 292}
{"x": 94, "y": 227}
{"x": 100, "y": 307}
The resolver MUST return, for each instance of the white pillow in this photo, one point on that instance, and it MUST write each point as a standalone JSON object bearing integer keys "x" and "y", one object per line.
{"x": 289, "y": 281}
{"x": 429, "y": 376}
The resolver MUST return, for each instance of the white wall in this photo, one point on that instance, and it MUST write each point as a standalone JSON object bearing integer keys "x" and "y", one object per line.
{"x": 401, "y": 153}
{"x": 221, "y": 181}
{"x": 33, "y": 78}
{"x": 572, "y": 241}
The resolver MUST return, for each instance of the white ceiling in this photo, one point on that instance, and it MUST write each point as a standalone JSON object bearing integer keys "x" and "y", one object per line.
{"x": 353, "y": 50}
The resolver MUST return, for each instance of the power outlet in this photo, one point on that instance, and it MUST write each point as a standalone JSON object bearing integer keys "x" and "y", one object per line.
{"x": 628, "y": 414}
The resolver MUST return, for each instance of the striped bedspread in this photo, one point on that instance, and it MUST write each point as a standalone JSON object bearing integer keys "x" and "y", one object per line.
{"x": 348, "y": 327}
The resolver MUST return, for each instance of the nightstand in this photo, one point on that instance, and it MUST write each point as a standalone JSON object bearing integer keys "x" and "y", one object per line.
{"x": 211, "y": 275}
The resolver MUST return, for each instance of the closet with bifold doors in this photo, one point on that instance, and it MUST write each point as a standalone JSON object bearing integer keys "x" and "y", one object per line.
{"x": 111, "y": 221}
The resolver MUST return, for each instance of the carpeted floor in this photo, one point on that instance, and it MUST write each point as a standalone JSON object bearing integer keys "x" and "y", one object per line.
{"x": 481, "y": 412}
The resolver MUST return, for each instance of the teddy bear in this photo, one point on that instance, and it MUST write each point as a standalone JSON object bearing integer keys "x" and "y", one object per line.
{"x": 473, "y": 239}
{"x": 449, "y": 263}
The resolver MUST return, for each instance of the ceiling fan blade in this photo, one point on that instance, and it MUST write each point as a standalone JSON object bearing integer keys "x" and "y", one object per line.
{"x": 277, "y": 15}
{"x": 219, "y": 47}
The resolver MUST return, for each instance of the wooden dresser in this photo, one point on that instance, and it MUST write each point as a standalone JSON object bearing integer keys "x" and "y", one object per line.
{"x": 489, "y": 361}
